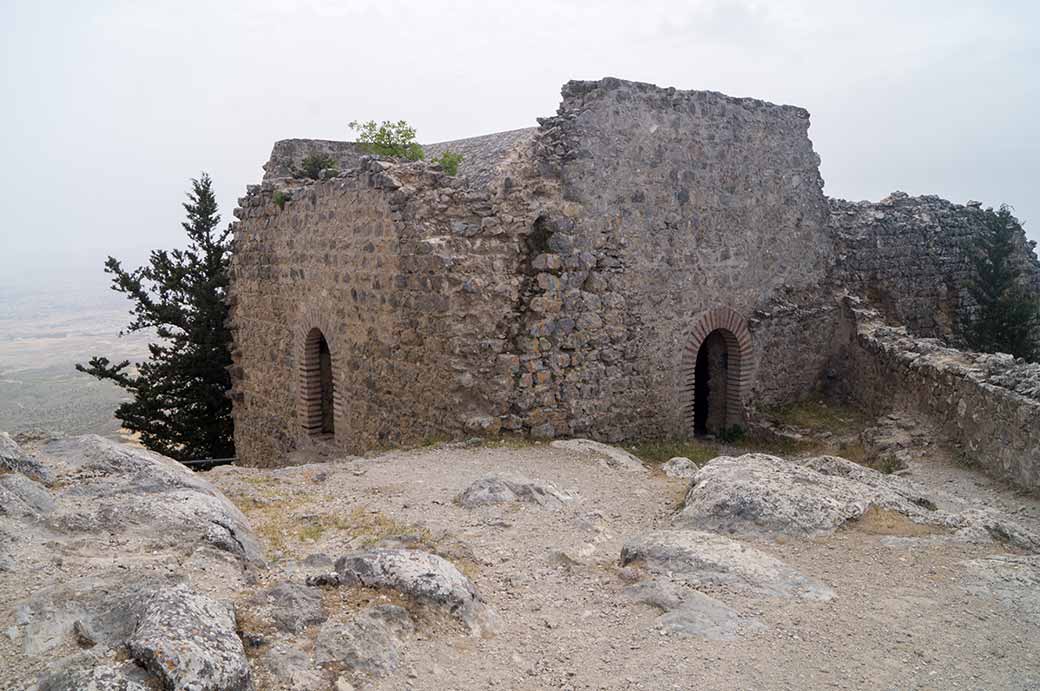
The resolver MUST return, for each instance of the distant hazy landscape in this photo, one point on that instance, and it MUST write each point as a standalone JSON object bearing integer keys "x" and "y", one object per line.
{"x": 44, "y": 330}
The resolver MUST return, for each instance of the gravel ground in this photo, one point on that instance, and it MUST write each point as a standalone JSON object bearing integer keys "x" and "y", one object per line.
{"x": 904, "y": 616}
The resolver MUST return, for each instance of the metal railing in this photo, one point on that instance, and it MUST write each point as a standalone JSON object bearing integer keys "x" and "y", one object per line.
{"x": 208, "y": 463}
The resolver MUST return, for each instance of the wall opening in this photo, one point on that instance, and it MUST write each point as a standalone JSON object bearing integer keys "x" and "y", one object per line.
{"x": 317, "y": 388}
{"x": 328, "y": 422}
{"x": 716, "y": 365}
{"x": 710, "y": 379}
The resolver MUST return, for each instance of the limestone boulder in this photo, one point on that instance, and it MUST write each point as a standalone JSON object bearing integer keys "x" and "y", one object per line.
{"x": 24, "y": 497}
{"x": 706, "y": 560}
{"x": 134, "y": 492}
{"x": 690, "y": 612}
{"x": 497, "y": 489}
{"x": 425, "y": 577}
{"x": 367, "y": 644}
{"x": 758, "y": 494}
{"x": 679, "y": 467}
{"x": 763, "y": 495}
{"x": 14, "y": 460}
{"x": 188, "y": 641}
{"x": 290, "y": 607}
{"x": 611, "y": 456}
{"x": 103, "y": 545}
{"x": 288, "y": 664}
{"x": 89, "y": 674}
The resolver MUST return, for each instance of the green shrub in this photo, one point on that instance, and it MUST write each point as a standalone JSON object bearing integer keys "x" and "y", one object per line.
{"x": 731, "y": 434}
{"x": 450, "y": 161}
{"x": 393, "y": 139}
{"x": 280, "y": 198}
{"x": 312, "y": 165}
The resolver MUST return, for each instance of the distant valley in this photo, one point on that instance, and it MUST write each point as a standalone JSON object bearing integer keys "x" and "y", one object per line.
{"x": 44, "y": 331}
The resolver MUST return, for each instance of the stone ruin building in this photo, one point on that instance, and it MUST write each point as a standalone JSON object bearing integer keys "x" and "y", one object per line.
{"x": 648, "y": 262}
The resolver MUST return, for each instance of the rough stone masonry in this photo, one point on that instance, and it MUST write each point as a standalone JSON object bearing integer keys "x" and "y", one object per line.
{"x": 647, "y": 262}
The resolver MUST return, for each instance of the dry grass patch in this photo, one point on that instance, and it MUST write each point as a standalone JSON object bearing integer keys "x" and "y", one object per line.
{"x": 286, "y": 526}
{"x": 775, "y": 446}
{"x": 875, "y": 521}
{"x": 660, "y": 451}
{"x": 819, "y": 415}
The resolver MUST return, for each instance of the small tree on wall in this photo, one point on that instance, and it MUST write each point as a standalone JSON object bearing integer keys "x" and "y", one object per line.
{"x": 395, "y": 139}
{"x": 312, "y": 165}
{"x": 179, "y": 406}
{"x": 1007, "y": 318}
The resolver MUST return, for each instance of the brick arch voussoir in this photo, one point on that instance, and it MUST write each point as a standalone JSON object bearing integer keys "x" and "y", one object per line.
{"x": 735, "y": 332}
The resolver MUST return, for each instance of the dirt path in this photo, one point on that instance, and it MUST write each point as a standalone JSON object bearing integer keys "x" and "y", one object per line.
{"x": 902, "y": 617}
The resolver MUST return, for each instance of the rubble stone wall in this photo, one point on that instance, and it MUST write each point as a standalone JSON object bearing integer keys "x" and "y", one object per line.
{"x": 674, "y": 203}
{"x": 911, "y": 258}
{"x": 797, "y": 337}
{"x": 561, "y": 283}
{"x": 389, "y": 261}
{"x": 988, "y": 406}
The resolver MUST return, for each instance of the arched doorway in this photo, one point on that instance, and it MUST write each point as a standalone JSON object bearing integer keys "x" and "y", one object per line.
{"x": 317, "y": 386}
{"x": 717, "y": 371}
{"x": 710, "y": 379}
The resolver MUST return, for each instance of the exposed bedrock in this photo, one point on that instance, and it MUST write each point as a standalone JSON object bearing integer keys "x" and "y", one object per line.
{"x": 706, "y": 560}
{"x": 759, "y": 494}
{"x": 610, "y": 456}
{"x": 497, "y": 489}
{"x": 124, "y": 549}
{"x": 426, "y": 578}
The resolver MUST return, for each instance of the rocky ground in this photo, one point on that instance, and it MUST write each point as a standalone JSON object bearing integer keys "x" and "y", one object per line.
{"x": 516, "y": 567}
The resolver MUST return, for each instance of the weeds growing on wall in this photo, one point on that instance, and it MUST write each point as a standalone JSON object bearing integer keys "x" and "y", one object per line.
{"x": 312, "y": 165}
{"x": 450, "y": 161}
{"x": 279, "y": 198}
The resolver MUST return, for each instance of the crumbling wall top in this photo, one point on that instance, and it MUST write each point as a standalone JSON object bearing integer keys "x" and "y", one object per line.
{"x": 580, "y": 90}
{"x": 287, "y": 155}
{"x": 481, "y": 156}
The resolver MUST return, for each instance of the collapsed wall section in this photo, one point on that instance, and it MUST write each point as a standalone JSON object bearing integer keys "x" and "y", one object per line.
{"x": 673, "y": 204}
{"x": 912, "y": 258}
{"x": 411, "y": 281}
{"x": 987, "y": 406}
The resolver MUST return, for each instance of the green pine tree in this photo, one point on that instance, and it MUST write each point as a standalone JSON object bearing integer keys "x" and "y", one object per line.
{"x": 179, "y": 406}
{"x": 1008, "y": 315}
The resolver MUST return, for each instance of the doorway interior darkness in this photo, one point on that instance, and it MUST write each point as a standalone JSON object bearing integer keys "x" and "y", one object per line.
{"x": 711, "y": 379}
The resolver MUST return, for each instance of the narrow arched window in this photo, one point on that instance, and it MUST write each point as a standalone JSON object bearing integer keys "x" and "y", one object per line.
{"x": 317, "y": 386}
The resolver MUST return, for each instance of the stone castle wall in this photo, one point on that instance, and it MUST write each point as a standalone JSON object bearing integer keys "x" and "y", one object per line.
{"x": 675, "y": 203}
{"x": 986, "y": 406}
{"x": 911, "y": 258}
{"x": 562, "y": 283}
{"x": 389, "y": 262}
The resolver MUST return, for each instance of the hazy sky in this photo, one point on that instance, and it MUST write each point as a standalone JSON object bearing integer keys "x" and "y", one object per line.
{"x": 110, "y": 107}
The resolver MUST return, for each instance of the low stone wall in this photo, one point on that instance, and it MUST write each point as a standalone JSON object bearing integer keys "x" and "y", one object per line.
{"x": 986, "y": 405}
